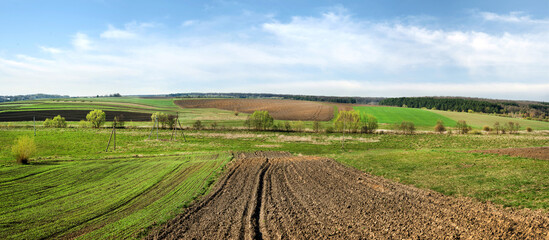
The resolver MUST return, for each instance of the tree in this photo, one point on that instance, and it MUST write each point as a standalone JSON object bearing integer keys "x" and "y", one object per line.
{"x": 486, "y": 128}
{"x": 440, "y": 127}
{"x": 512, "y": 127}
{"x": 118, "y": 121}
{"x": 261, "y": 120}
{"x": 287, "y": 126}
{"x": 57, "y": 122}
{"x": 407, "y": 127}
{"x": 23, "y": 149}
{"x": 347, "y": 121}
{"x": 298, "y": 126}
{"x": 197, "y": 125}
{"x": 497, "y": 127}
{"x": 96, "y": 118}
{"x": 370, "y": 124}
{"x": 316, "y": 126}
{"x": 164, "y": 119}
{"x": 462, "y": 127}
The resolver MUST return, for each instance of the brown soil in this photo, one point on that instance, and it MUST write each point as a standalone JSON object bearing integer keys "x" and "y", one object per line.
{"x": 279, "y": 196}
{"x": 69, "y": 115}
{"x": 279, "y": 109}
{"x": 534, "y": 152}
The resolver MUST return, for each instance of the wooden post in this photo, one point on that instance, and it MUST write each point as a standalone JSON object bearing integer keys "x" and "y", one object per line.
{"x": 34, "y": 124}
{"x": 183, "y": 133}
{"x": 107, "y": 149}
{"x": 152, "y": 129}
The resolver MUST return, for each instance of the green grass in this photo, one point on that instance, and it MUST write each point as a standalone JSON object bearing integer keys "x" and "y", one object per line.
{"x": 479, "y": 120}
{"x": 74, "y": 186}
{"x": 396, "y": 115}
{"x": 100, "y": 199}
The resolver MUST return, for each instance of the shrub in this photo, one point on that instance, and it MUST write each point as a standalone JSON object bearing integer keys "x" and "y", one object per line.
{"x": 486, "y": 129}
{"x": 476, "y": 132}
{"x": 329, "y": 129}
{"x": 347, "y": 121}
{"x": 164, "y": 120}
{"x": 298, "y": 126}
{"x": 84, "y": 124}
{"x": 316, "y": 126}
{"x": 23, "y": 149}
{"x": 370, "y": 124}
{"x": 118, "y": 121}
{"x": 462, "y": 127}
{"x": 529, "y": 129}
{"x": 261, "y": 120}
{"x": 498, "y": 128}
{"x": 440, "y": 127}
{"x": 96, "y": 118}
{"x": 287, "y": 126}
{"x": 407, "y": 127}
{"x": 56, "y": 122}
{"x": 512, "y": 127}
{"x": 197, "y": 125}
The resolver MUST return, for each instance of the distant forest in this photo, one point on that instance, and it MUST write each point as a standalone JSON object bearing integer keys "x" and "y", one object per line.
{"x": 30, "y": 97}
{"x": 519, "y": 109}
{"x": 356, "y": 100}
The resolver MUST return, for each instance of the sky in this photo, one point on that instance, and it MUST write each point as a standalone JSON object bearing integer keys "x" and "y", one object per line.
{"x": 385, "y": 48}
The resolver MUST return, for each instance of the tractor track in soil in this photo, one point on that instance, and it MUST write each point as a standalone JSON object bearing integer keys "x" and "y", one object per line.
{"x": 274, "y": 195}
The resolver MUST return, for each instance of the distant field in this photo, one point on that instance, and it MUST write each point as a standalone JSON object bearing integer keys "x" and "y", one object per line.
{"x": 100, "y": 199}
{"x": 478, "y": 120}
{"x": 395, "y": 115}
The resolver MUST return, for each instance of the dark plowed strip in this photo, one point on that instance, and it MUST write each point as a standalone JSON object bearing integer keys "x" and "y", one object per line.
{"x": 69, "y": 115}
{"x": 278, "y": 196}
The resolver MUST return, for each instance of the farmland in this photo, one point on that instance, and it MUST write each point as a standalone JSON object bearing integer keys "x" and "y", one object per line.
{"x": 147, "y": 187}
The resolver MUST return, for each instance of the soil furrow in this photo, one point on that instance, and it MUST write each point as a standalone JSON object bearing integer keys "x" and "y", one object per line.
{"x": 274, "y": 195}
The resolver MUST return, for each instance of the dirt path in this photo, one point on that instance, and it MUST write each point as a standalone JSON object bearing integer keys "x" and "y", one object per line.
{"x": 279, "y": 196}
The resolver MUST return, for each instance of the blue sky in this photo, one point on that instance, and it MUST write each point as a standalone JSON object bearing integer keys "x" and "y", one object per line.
{"x": 494, "y": 49}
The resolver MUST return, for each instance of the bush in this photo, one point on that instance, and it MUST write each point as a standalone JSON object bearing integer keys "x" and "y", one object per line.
{"x": 84, "y": 124}
{"x": 329, "y": 129}
{"x": 56, "y": 122}
{"x": 529, "y": 129}
{"x": 23, "y": 149}
{"x": 287, "y": 126}
{"x": 298, "y": 126}
{"x": 407, "y": 127}
{"x": 260, "y": 120}
{"x": 498, "y": 128}
{"x": 512, "y": 127}
{"x": 164, "y": 119}
{"x": 347, "y": 121}
{"x": 213, "y": 125}
{"x": 316, "y": 126}
{"x": 118, "y": 121}
{"x": 476, "y": 132}
{"x": 197, "y": 125}
{"x": 462, "y": 127}
{"x": 440, "y": 127}
{"x": 486, "y": 129}
{"x": 370, "y": 124}
{"x": 96, "y": 118}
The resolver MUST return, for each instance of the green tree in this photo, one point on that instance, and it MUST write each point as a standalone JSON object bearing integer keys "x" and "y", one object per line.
{"x": 316, "y": 126}
{"x": 407, "y": 127}
{"x": 497, "y": 127}
{"x": 370, "y": 124}
{"x": 57, "y": 122}
{"x": 347, "y": 121}
{"x": 261, "y": 120}
{"x": 96, "y": 118}
{"x": 462, "y": 127}
{"x": 197, "y": 125}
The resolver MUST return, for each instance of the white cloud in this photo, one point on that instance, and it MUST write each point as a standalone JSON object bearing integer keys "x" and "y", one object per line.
{"x": 512, "y": 17}
{"x": 114, "y": 33}
{"x": 51, "y": 50}
{"x": 80, "y": 41}
{"x": 188, "y": 23}
{"x": 333, "y": 54}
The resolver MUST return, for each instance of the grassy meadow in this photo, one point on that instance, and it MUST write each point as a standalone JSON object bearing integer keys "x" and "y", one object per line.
{"x": 74, "y": 188}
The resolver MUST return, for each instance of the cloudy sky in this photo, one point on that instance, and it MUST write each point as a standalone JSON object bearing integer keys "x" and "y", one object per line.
{"x": 493, "y": 49}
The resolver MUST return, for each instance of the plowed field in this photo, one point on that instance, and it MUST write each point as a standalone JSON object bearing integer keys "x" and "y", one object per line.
{"x": 279, "y": 196}
{"x": 279, "y": 109}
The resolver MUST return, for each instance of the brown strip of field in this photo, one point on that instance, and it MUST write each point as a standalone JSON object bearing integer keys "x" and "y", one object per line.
{"x": 534, "y": 152}
{"x": 278, "y": 109}
{"x": 69, "y": 115}
{"x": 279, "y": 196}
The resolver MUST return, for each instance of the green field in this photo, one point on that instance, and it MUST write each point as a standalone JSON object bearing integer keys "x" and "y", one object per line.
{"x": 100, "y": 198}
{"x": 74, "y": 188}
{"x": 478, "y": 120}
{"x": 396, "y": 115}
